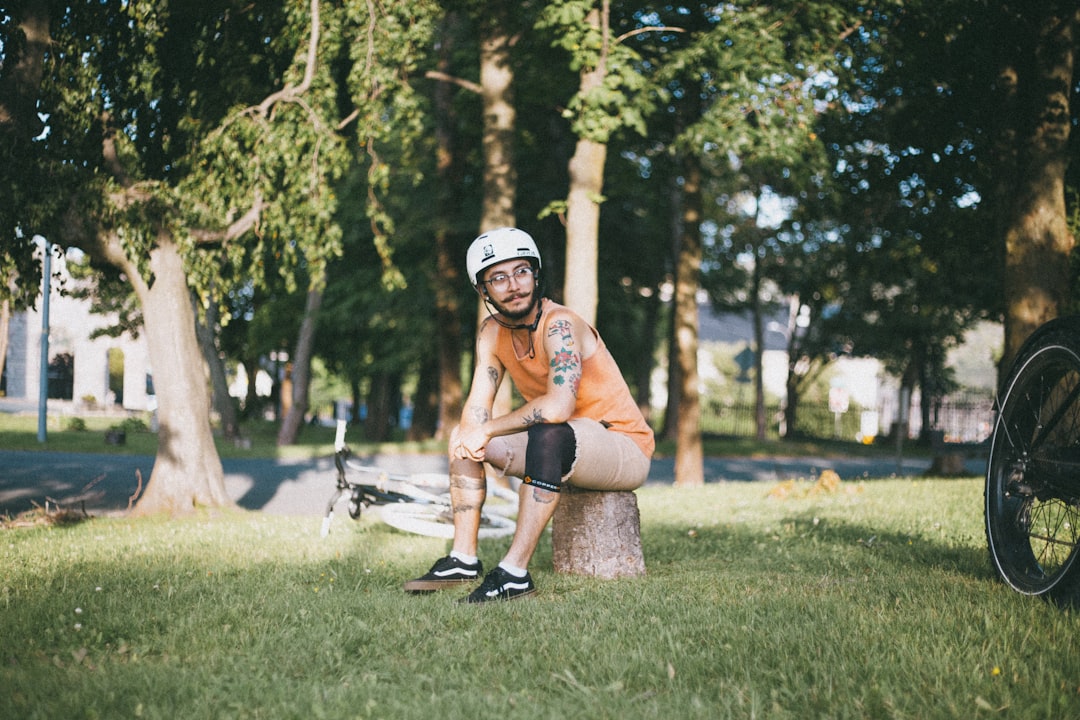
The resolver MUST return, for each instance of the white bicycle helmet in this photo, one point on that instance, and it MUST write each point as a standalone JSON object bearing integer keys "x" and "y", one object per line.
{"x": 499, "y": 245}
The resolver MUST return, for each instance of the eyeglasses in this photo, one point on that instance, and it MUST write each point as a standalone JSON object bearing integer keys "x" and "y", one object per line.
{"x": 501, "y": 281}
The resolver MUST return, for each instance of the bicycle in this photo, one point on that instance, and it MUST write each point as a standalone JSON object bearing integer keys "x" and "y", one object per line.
{"x": 417, "y": 503}
{"x": 1032, "y": 493}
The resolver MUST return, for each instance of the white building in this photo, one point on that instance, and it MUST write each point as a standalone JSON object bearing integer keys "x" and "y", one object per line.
{"x": 86, "y": 381}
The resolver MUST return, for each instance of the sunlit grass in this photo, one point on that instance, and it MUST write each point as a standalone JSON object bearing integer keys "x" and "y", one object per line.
{"x": 874, "y": 601}
{"x": 19, "y": 432}
{"x": 86, "y": 434}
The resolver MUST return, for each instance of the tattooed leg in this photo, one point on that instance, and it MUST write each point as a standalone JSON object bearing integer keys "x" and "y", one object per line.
{"x": 468, "y": 490}
{"x": 467, "y": 493}
{"x": 549, "y": 456}
{"x": 536, "y": 507}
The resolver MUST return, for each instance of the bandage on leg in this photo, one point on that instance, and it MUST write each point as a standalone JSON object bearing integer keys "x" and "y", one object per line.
{"x": 550, "y": 455}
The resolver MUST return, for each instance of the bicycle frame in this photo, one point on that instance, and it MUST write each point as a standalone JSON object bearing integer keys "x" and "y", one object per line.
{"x": 387, "y": 489}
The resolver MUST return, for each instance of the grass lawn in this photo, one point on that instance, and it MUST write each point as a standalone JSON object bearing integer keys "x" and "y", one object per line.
{"x": 86, "y": 434}
{"x": 875, "y": 601}
{"x": 19, "y": 432}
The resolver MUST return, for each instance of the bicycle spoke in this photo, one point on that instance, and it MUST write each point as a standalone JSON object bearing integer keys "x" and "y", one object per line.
{"x": 1051, "y": 425}
{"x": 1051, "y": 526}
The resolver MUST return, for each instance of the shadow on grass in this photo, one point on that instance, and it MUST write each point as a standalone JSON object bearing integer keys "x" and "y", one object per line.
{"x": 808, "y": 542}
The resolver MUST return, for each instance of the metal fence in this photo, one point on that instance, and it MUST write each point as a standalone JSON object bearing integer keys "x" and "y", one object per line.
{"x": 966, "y": 418}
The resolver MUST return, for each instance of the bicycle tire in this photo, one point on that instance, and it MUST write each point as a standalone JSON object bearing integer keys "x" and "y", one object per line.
{"x": 1032, "y": 492}
{"x": 437, "y": 520}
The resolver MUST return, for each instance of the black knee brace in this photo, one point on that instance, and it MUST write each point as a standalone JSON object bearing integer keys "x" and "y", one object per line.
{"x": 549, "y": 455}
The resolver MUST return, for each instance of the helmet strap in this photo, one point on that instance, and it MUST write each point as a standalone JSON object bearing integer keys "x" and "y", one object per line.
{"x": 531, "y": 327}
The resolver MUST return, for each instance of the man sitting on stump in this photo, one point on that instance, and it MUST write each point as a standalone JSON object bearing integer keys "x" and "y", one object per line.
{"x": 579, "y": 424}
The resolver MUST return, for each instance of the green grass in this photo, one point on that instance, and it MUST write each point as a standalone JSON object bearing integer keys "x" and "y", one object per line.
{"x": 19, "y": 432}
{"x": 873, "y": 602}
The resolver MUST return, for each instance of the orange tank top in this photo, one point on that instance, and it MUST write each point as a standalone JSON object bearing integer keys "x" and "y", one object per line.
{"x": 602, "y": 395}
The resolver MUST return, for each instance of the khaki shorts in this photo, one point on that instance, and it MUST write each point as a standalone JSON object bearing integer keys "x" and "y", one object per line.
{"x": 606, "y": 460}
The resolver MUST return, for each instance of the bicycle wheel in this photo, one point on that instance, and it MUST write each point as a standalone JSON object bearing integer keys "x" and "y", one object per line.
{"x": 1032, "y": 495}
{"x": 437, "y": 520}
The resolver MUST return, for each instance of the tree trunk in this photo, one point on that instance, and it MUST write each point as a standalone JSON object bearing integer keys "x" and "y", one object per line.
{"x": 586, "y": 168}
{"x": 791, "y": 404}
{"x": 357, "y": 401}
{"x": 689, "y": 454}
{"x": 448, "y": 329}
{"x": 5, "y": 320}
{"x": 447, "y": 277}
{"x": 791, "y": 382}
{"x": 670, "y": 430}
{"x": 500, "y": 173}
{"x": 928, "y": 393}
{"x": 252, "y": 404}
{"x": 1031, "y": 197}
{"x": 903, "y": 403}
{"x": 760, "y": 421}
{"x": 500, "y": 118}
{"x": 425, "y": 417}
{"x": 222, "y": 401}
{"x": 301, "y": 369}
{"x": 187, "y": 470}
{"x": 580, "y": 289}
{"x": 382, "y": 406}
{"x": 643, "y": 377}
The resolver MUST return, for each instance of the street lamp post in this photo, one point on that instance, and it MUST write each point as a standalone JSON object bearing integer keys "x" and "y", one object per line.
{"x": 46, "y": 288}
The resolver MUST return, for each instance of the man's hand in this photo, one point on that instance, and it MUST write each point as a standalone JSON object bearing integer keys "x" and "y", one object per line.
{"x": 469, "y": 443}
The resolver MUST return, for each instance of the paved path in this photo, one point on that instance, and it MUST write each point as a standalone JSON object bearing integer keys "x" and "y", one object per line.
{"x": 104, "y": 483}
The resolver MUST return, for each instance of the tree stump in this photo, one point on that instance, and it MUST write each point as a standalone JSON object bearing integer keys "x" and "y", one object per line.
{"x": 597, "y": 534}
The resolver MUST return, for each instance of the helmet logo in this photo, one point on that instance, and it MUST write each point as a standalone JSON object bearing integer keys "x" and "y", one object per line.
{"x": 489, "y": 252}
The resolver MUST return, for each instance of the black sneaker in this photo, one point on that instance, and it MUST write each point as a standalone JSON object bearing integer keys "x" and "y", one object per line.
{"x": 446, "y": 572}
{"x": 501, "y": 585}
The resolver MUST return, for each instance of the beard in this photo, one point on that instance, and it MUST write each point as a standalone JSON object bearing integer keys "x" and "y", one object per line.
{"x": 517, "y": 315}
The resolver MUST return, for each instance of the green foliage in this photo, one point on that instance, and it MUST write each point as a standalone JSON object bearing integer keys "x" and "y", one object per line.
{"x": 917, "y": 267}
{"x": 222, "y": 116}
{"x": 756, "y": 91}
{"x": 393, "y": 117}
{"x": 286, "y": 152}
{"x": 875, "y": 129}
{"x": 613, "y": 95}
{"x": 75, "y": 424}
{"x": 131, "y": 425}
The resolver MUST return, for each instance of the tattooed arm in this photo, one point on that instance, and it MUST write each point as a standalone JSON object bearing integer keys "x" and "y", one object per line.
{"x": 486, "y": 377}
{"x": 566, "y": 340}
{"x": 470, "y": 438}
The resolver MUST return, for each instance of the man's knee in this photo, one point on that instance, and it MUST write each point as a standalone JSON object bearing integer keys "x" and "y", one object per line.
{"x": 550, "y": 455}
